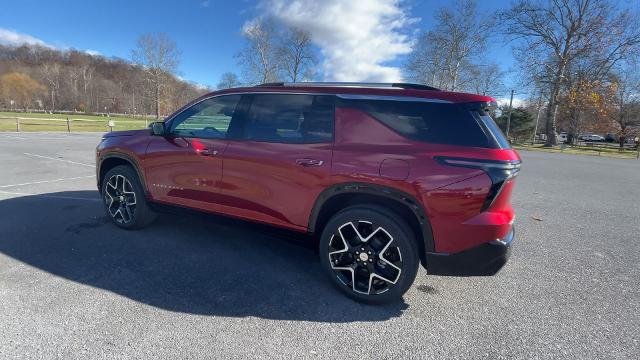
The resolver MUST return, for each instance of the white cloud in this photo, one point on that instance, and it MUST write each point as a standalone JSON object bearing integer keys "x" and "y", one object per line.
{"x": 93, "y": 52}
{"x": 356, "y": 38}
{"x": 517, "y": 102}
{"x": 10, "y": 37}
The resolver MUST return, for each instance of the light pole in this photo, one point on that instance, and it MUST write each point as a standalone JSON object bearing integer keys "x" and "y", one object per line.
{"x": 510, "y": 111}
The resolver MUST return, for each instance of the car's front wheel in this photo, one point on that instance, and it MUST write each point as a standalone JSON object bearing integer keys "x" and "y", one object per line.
{"x": 369, "y": 253}
{"x": 124, "y": 199}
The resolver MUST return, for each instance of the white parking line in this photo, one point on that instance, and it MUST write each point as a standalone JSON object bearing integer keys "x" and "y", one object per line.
{"x": 46, "y": 181}
{"x": 48, "y": 196}
{"x": 56, "y": 159}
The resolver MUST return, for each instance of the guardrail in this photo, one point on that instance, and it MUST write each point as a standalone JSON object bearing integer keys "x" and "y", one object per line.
{"x": 600, "y": 147}
{"x": 69, "y": 123}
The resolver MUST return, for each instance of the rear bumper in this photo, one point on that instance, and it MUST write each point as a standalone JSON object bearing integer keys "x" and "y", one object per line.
{"x": 484, "y": 260}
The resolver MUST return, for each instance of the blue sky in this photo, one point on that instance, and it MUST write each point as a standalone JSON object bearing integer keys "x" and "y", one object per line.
{"x": 208, "y": 33}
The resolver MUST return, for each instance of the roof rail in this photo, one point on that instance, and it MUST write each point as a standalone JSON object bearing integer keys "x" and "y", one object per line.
{"x": 351, "y": 84}
{"x": 415, "y": 86}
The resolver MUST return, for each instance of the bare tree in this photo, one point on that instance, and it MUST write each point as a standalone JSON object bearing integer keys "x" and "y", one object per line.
{"x": 296, "y": 54}
{"x": 626, "y": 114}
{"x": 444, "y": 56}
{"x": 486, "y": 79}
{"x": 228, "y": 80}
{"x": 260, "y": 59}
{"x": 51, "y": 74}
{"x": 158, "y": 56}
{"x": 87, "y": 75}
{"x": 424, "y": 63}
{"x": 555, "y": 33}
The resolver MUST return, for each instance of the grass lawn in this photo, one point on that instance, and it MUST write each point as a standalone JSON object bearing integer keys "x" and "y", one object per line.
{"x": 57, "y": 122}
{"x": 582, "y": 150}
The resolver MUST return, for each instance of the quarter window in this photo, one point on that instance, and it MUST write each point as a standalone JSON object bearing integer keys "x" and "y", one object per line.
{"x": 207, "y": 119}
{"x": 440, "y": 123}
{"x": 285, "y": 118}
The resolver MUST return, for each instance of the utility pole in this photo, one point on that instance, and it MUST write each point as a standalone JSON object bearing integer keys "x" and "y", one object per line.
{"x": 535, "y": 129}
{"x": 510, "y": 111}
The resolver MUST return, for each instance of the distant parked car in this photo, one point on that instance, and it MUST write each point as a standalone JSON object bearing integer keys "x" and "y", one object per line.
{"x": 592, "y": 137}
{"x": 562, "y": 137}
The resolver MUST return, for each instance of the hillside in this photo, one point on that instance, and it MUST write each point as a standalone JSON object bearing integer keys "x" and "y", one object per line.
{"x": 76, "y": 81}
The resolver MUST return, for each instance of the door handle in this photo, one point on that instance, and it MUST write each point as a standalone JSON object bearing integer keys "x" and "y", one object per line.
{"x": 208, "y": 152}
{"x": 309, "y": 162}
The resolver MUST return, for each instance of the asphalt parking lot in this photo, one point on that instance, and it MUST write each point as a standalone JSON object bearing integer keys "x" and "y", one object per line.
{"x": 74, "y": 286}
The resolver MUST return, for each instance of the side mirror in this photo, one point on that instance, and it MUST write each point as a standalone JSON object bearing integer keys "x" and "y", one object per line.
{"x": 158, "y": 128}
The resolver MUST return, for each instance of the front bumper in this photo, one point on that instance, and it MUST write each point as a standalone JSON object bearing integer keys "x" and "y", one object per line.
{"x": 484, "y": 260}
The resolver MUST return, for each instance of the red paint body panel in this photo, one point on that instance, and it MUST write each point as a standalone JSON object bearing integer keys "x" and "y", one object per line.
{"x": 269, "y": 182}
{"x": 176, "y": 172}
{"x": 263, "y": 181}
{"x": 449, "y": 209}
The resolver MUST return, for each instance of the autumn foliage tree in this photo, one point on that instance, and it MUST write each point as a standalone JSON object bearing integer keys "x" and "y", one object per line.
{"x": 21, "y": 88}
{"x": 586, "y": 106}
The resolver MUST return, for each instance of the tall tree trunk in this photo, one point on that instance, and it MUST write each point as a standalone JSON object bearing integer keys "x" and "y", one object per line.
{"x": 157, "y": 101}
{"x": 552, "y": 110}
{"x": 623, "y": 130}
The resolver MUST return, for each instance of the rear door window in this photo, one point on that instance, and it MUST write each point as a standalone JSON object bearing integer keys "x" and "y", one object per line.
{"x": 433, "y": 122}
{"x": 290, "y": 118}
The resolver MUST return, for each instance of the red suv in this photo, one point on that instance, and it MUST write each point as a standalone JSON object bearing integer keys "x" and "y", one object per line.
{"x": 384, "y": 176}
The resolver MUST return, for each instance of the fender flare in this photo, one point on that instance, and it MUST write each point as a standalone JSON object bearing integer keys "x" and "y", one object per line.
{"x": 127, "y": 158}
{"x": 399, "y": 196}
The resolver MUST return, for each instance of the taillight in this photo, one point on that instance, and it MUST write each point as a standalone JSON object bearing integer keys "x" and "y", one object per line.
{"x": 500, "y": 171}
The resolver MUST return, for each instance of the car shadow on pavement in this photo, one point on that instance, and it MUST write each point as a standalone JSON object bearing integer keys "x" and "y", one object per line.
{"x": 194, "y": 264}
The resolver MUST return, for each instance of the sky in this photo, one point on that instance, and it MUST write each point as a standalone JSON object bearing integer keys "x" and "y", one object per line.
{"x": 358, "y": 40}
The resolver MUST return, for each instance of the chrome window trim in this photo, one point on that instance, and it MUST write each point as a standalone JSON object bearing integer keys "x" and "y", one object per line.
{"x": 245, "y": 93}
{"x": 341, "y": 96}
{"x": 391, "y": 98}
{"x": 168, "y": 122}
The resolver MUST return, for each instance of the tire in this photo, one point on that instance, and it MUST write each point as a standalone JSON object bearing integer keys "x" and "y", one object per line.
{"x": 387, "y": 267}
{"x": 124, "y": 199}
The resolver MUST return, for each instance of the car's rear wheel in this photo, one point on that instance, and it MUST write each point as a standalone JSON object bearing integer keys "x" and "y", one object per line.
{"x": 369, "y": 253}
{"x": 124, "y": 199}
